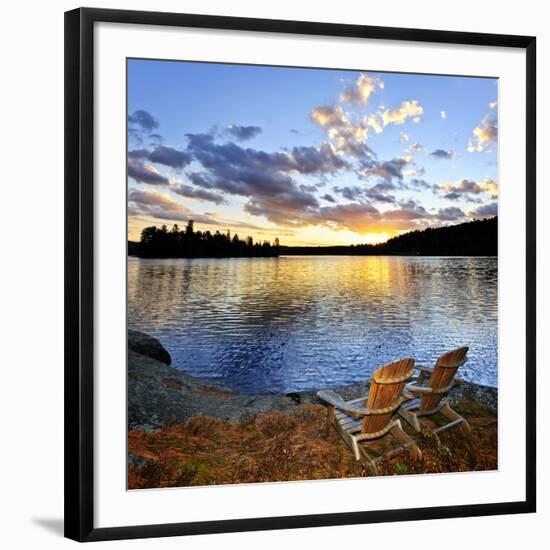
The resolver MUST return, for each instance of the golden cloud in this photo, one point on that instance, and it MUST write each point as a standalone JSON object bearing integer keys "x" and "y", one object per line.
{"x": 400, "y": 114}
{"x": 360, "y": 92}
{"x": 465, "y": 186}
{"x": 329, "y": 117}
{"x": 484, "y": 134}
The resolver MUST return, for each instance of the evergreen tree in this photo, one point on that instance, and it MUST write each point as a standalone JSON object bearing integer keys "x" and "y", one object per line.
{"x": 188, "y": 243}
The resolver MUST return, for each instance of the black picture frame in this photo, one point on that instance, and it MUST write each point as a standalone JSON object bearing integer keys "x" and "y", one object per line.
{"x": 79, "y": 269}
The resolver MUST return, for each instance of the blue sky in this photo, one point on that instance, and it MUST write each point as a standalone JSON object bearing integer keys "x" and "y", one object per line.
{"x": 312, "y": 156}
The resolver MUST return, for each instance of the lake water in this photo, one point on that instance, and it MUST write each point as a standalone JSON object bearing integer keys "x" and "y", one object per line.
{"x": 277, "y": 325}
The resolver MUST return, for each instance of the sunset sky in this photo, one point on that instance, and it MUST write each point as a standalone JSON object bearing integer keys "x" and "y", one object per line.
{"x": 310, "y": 156}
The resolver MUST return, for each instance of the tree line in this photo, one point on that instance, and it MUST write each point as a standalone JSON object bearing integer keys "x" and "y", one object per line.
{"x": 161, "y": 242}
{"x": 475, "y": 238}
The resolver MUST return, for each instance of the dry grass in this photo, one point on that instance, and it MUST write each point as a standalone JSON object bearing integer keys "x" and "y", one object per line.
{"x": 288, "y": 447}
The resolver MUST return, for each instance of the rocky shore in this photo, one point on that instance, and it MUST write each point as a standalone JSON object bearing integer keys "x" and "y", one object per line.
{"x": 159, "y": 394}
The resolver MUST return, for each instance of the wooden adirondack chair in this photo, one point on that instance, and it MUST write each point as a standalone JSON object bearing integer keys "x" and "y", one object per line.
{"x": 370, "y": 417}
{"x": 428, "y": 400}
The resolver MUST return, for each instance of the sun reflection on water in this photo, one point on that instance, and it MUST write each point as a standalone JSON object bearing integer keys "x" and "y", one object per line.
{"x": 293, "y": 323}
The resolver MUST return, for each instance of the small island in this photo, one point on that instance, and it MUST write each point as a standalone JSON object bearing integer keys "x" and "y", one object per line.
{"x": 160, "y": 242}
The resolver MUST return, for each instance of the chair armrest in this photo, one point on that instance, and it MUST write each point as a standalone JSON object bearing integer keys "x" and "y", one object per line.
{"x": 336, "y": 400}
{"x": 358, "y": 400}
{"x": 418, "y": 389}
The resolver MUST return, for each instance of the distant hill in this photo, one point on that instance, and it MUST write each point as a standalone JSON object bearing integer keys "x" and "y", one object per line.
{"x": 476, "y": 238}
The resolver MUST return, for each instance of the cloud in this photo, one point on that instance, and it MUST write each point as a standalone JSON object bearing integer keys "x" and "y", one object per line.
{"x": 199, "y": 194}
{"x": 169, "y": 156}
{"x": 359, "y": 93}
{"x": 414, "y": 171}
{"x": 264, "y": 178}
{"x": 347, "y": 131}
{"x": 403, "y": 137}
{"x": 281, "y": 209}
{"x": 363, "y": 218}
{"x": 409, "y": 211}
{"x": 358, "y": 217}
{"x": 329, "y": 117}
{"x": 493, "y": 105}
{"x": 376, "y": 193}
{"x": 141, "y": 171}
{"x": 416, "y": 148}
{"x": 143, "y": 120}
{"x": 348, "y": 138}
{"x": 416, "y": 183}
{"x": 229, "y": 156}
{"x": 162, "y": 206}
{"x": 349, "y": 193}
{"x": 243, "y": 133}
{"x": 451, "y": 213}
{"x": 375, "y": 122}
{"x": 386, "y": 170}
{"x": 136, "y": 135}
{"x": 416, "y": 119}
{"x": 469, "y": 187}
{"x": 162, "y": 154}
{"x": 484, "y": 211}
{"x": 443, "y": 114}
{"x": 455, "y": 196}
{"x": 315, "y": 160}
{"x": 400, "y": 114}
{"x": 144, "y": 173}
{"x": 351, "y": 142}
{"x": 442, "y": 154}
{"x": 483, "y": 135}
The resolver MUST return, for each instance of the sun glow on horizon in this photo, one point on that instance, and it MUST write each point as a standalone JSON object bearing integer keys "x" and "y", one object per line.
{"x": 302, "y": 236}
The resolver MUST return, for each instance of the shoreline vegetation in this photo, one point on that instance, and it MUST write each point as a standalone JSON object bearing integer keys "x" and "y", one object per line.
{"x": 184, "y": 431}
{"x": 475, "y": 238}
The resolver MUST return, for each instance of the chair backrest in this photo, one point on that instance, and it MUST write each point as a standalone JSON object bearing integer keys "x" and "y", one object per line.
{"x": 442, "y": 377}
{"x": 385, "y": 393}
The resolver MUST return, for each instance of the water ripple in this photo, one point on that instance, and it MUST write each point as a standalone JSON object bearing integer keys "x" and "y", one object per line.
{"x": 293, "y": 323}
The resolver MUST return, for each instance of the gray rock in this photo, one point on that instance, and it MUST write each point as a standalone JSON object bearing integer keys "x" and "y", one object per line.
{"x": 159, "y": 394}
{"x": 147, "y": 345}
{"x": 474, "y": 392}
{"x": 467, "y": 391}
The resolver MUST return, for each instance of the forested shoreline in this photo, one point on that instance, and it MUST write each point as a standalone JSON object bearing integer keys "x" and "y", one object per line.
{"x": 475, "y": 238}
{"x": 187, "y": 243}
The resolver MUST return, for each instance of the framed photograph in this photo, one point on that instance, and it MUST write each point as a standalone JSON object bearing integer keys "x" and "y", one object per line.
{"x": 300, "y": 274}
